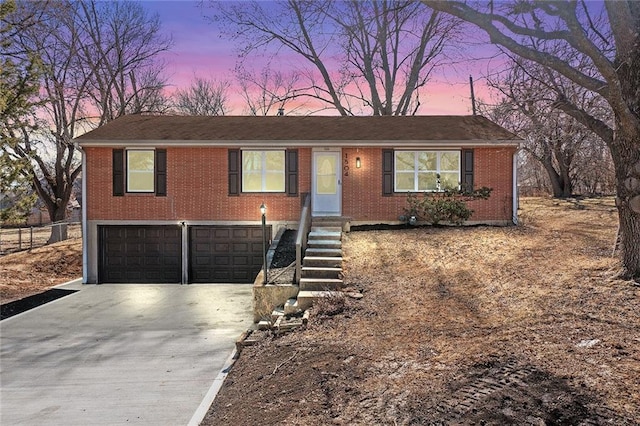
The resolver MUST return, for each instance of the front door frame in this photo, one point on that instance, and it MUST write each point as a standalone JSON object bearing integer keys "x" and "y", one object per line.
{"x": 338, "y": 196}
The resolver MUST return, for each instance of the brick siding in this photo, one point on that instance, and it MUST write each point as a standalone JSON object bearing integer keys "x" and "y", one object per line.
{"x": 197, "y": 188}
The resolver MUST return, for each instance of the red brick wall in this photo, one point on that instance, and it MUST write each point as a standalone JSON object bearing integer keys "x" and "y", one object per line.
{"x": 197, "y": 188}
{"x": 362, "y": 188}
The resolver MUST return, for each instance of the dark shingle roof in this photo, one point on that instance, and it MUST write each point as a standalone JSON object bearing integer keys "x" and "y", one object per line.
{"x": 300, "y": 128}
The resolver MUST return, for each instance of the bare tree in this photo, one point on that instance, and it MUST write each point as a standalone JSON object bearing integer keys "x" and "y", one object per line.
{"x": 556, "y": 33}
{"x": 268, "y": 92}
{"x": 552, "y": 137}
{"x": 202, "y": 97}
{"x": 371, "y": 56}
{"x": 99, "y": 62}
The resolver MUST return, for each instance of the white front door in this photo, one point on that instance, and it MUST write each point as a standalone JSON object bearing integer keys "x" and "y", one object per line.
{"x": 327, "y": 184}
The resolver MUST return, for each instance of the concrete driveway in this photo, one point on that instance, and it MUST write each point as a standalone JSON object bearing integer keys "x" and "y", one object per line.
{"x": 119, "y": 354}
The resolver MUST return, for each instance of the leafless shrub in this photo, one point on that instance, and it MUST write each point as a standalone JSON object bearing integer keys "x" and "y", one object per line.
{"x": 330, "y": 305}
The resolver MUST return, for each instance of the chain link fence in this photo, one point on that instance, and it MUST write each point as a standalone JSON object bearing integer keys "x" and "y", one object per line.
{"x": 26, "y": 238}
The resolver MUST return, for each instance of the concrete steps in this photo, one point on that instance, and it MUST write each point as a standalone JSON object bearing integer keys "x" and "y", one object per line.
{"x": 322, "y": 284}
{"x": 323, "y": 252}
{"x": 291, "y": 307}
{"x": 321, "y": 272}
{"x": 307, "y": 298}
{"x": 317, "y": 233}
{"x": 323, "y": 261}
{"x": 326, "y": 244}
{"x": 322, "y": 265}
{"x": 321, "y": 275}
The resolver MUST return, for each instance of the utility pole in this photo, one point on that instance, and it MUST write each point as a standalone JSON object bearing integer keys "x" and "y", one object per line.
{"x": 473, "y": 97}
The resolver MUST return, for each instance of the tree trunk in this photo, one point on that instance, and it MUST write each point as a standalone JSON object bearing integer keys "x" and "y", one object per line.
{"x": 560, "y": 185}
{"x": 628, "y": 202}
{"x": 59, "y": 232}
{"x": 60, "y": 227}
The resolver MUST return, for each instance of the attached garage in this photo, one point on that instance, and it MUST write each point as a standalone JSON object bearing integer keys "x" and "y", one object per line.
{"x": 140, "y": 254}
{"x": 225, "y": 254}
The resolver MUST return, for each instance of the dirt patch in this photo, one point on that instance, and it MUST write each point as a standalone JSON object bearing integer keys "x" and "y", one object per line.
{"x": 30, "y": 272}
{"x": 282, "y": 268}
{"x": 518, "y": 325}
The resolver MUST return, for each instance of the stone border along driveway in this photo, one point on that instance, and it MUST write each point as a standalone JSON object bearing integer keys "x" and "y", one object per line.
{"x": 121, "y": 354}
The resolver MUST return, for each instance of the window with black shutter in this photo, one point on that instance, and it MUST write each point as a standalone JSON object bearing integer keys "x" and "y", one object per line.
{"x": 139, "y": 171}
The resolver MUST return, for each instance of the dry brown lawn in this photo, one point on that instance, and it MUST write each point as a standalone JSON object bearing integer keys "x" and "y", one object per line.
{"x": 30, "y": 272}
{"x": 479, "y": 325}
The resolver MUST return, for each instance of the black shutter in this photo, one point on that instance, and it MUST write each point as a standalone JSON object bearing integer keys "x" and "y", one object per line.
{"x": 234, "y": 172}
{"x": 387, "y": 172}
{"x": 161, "y": 172}
{"x": 291, "y": 172}
{"x": 118, "y": 172}
{"x": 467, "y": 170}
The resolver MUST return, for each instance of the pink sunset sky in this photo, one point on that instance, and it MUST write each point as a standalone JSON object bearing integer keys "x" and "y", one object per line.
{"x": 199, "y": 50}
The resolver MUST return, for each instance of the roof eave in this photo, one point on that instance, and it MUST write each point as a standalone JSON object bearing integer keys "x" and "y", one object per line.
{"x": 294, "y": 143}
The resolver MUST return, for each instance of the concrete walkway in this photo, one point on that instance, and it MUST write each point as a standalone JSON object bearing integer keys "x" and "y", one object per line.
{"x": 119, "y": 354}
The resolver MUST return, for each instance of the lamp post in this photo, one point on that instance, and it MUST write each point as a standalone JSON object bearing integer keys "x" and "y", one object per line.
{"x": 263, "y": 211}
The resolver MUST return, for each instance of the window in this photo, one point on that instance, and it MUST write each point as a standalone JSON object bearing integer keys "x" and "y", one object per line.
{"x": 140, "y": 170}
{"x": 420, "y": 171}
{"x": 263, "y": 171}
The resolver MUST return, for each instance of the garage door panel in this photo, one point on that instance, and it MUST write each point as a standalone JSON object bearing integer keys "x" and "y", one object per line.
{"x": 240, "y": 247}
{"x": 225, "y": 254}
{"x": 242, "y": 261}
{"x": 153, "y": 261}
{"x": 172, "y": 262}
{"x": 221, "y": 233}
{"x": 222, "y": 260}
{"x": 241, "y": 233}
{"x": 140, "y": 254}
{"x": 202, "y": 247}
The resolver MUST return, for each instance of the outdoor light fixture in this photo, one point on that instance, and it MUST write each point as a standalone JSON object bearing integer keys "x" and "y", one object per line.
{"x": 263, "y": 211}
{"x": 358, "y": 163}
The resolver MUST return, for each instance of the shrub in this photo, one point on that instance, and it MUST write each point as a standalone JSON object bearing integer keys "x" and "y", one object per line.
{"x": 444, "y": 206}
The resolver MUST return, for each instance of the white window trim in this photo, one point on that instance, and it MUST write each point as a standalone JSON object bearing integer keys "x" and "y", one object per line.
{"x": 438, "y": 171}
{"x": 128, "y": 174}
{"x": 263, "y": 176}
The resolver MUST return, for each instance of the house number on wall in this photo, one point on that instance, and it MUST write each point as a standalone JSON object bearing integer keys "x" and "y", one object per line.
{"x": 346, "y": 164}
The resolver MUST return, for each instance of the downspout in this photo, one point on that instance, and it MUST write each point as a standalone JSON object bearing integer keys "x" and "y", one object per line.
{"x": 85, "y": 246}
{"x": 185, "y": 256}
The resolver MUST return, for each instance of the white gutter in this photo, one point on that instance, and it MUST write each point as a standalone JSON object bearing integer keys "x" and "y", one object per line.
{"x": 85, "y": 245}
{"x": 113, "y": 143}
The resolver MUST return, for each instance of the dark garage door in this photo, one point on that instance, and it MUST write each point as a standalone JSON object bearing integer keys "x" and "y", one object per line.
{"x": 225, "y": 254}
{"x": 140, "y": 254}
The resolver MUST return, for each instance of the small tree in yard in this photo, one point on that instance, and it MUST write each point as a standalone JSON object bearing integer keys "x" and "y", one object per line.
{"x": 444, "y": 206}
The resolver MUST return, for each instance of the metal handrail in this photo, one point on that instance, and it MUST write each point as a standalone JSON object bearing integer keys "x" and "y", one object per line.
{"x": 301, "y": 235}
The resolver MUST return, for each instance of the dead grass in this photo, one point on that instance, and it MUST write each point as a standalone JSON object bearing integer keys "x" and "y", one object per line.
{"x": 517, "y": 325}
{"x": 30, "y": 272}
